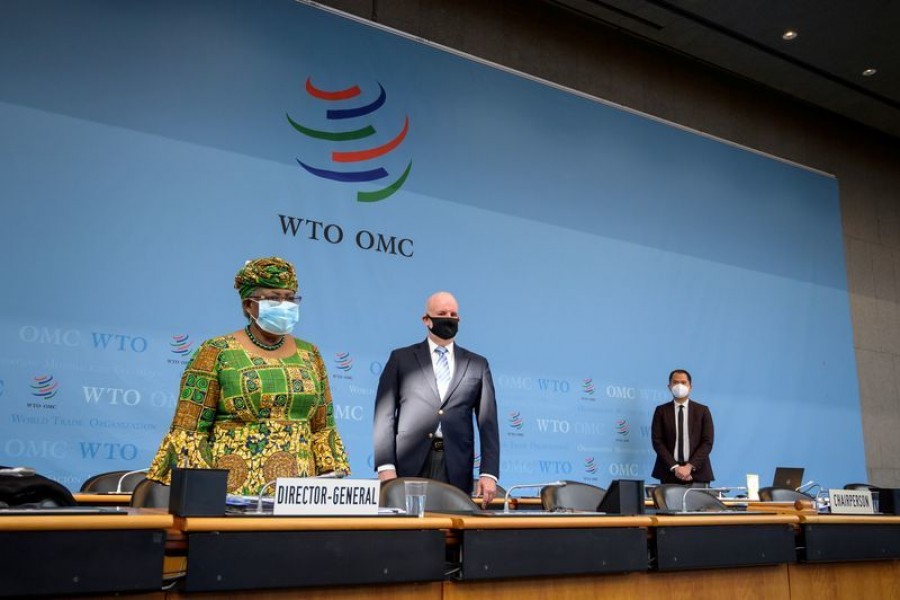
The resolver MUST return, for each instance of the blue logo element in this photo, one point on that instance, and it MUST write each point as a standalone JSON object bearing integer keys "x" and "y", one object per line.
{"x": 44, "y": 387}
{"x": 181, "y": 344}
{"x": 343, "y": 361}
{"x": 350, "y": 157}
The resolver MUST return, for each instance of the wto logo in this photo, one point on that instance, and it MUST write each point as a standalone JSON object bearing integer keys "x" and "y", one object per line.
{"x": 590, "y": 465}
{"x": 337, "y": 117}
{"x": 2, "y": 387}
{"x": 516, "y": 421}
{"x": 119, "y": 342}
{"x": 623, "y": 429}
{"x": 44, "y": 387}
{"x": 587, "y": 386}
{"x": 181, "y": 345}
{"x": 343, "y": 361}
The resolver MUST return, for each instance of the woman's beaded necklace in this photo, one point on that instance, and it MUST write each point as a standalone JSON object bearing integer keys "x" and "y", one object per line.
{"x": 263, "y": 345}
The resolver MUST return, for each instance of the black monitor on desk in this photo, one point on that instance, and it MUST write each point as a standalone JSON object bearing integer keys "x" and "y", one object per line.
{"x": 623, "y": 497}
{"x": 788, "y": 477}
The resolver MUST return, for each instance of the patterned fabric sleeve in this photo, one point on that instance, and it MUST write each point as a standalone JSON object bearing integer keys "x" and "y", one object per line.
{"x": 327, "y": 446}
{"x": 187, "y": 444}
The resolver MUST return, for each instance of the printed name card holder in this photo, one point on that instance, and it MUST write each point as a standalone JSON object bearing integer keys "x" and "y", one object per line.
{"x": 310, "y": 496}
{"x": 851, "y": 502}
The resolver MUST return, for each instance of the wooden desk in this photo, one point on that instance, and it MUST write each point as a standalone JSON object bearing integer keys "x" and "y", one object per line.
{"x": 88, "y": 499}
{"x": 56, "y": 554}
{"x": 831, "y": 538}
{"x": 791, "y": 508}
{"x": 522, "y": 503}
{"x": 264, "y": 552}
{"x": 706, "y": 540}
{"x": 501, "y": 546}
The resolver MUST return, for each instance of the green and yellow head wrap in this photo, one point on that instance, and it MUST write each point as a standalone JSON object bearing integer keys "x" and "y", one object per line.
{"x": 269, "y": 272}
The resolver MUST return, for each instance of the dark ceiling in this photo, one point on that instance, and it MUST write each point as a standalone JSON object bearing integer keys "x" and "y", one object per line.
{"x": 836, "y": 41}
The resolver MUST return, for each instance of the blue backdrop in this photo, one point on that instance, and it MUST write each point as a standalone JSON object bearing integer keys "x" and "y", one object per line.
{"x": 150, "y": 148}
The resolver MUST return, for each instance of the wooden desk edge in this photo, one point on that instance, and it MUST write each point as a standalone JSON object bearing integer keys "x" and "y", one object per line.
{"x": 134, "y": 519}
{"x": 850, "y": 519}
{"x": 85, "y": 498}
{"x": 712, "y": 519}
{"x": 549, "y": 522}
{"x": 272, "y": 523}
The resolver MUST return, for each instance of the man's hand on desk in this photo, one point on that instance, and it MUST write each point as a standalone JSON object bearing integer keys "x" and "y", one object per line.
{"x": 487, "y": 489}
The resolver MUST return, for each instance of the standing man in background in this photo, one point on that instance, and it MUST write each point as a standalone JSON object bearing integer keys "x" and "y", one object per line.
{"x": 427, "y": 396}
{"x": 682, "y": 436}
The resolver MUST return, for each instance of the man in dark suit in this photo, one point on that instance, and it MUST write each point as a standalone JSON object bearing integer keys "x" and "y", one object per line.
{"x": 426, "y": 397}
{"x": 682, "y": 435}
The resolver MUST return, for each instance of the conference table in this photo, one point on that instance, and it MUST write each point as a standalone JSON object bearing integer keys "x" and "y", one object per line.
{"x": 247, "y": 552}
{"x": 496, "y": 545}
{"x": 454, "y": 556}
{"x": 82, "y": 551}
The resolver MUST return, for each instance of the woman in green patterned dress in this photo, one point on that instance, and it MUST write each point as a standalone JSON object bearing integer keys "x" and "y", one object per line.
{"x": 256, "y": 401}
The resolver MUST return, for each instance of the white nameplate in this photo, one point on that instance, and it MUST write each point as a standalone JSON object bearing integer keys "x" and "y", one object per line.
{"x": 315, "y": 496}
{"x": 851, "y": 502}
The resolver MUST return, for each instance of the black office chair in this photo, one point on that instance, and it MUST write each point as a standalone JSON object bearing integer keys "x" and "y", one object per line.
{"x": 33, "y": 491}
{"x": 672, "y": 497}
{"x": 779, "y": 494}
{"x": 575, "y": 495}
{"x": 150, "y": 494}
{"x": 439, "y": 497}
{"x": 860, "y": 486}
{"x": 109, "y": 482}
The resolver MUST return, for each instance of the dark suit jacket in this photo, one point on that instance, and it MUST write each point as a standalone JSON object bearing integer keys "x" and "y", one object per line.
{"x": 408, "y": 408}
{"x": 700, "y": 432}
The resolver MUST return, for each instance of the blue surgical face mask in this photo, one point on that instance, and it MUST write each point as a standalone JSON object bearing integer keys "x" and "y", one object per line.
{"x": 277, "y": 318}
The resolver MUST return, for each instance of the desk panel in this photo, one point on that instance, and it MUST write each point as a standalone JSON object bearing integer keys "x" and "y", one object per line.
{"x": 494, "y": 547}
{"x": 717, "y": 541}
{"x": 272, "y": 552}
{"x": 501, "y": 553}
{"x": 836, "y": 538}
{"x": 81, "y": 554}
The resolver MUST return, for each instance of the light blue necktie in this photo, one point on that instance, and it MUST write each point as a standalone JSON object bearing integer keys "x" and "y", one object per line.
{"x": 442, "y": 371}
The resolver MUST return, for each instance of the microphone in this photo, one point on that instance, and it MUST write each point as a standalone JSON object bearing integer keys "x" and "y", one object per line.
{"x": 706, "y": 489}
{"x": 804, "y": 489}
{"x": 527, "y": 485}
{"x": 122, "y": 479}
{"x": 259, "y": 499}
{"x": 336, "y": 474}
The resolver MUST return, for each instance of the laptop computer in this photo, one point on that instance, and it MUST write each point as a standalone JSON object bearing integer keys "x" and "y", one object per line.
{"x": 788, "y": 477}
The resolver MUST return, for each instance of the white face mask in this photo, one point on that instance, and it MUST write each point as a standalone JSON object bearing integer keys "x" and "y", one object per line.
{"x": 679, "y": 390}
{"x": 278, "y": 318}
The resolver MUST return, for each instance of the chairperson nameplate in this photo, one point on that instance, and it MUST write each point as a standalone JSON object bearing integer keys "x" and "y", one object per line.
{"x": 851, "y": 502}
{"x": 326, "y": 497}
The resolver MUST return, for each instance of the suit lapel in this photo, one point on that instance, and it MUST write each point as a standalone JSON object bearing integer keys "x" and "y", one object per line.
{"x": 427, "y": 369}
{"x": 694, "y": 424}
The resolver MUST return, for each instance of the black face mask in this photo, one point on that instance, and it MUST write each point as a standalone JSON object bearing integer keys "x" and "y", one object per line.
{"x": 444, "y": 327}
